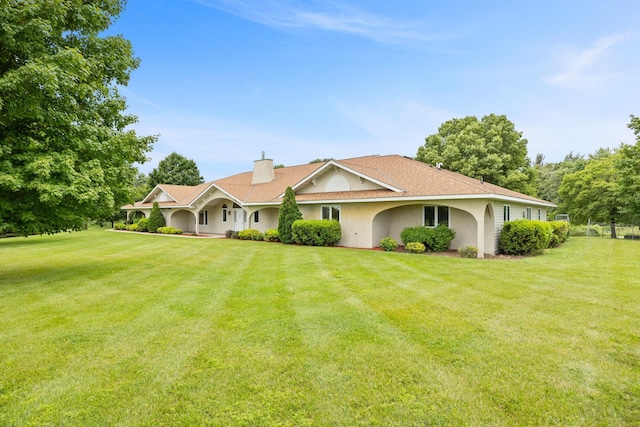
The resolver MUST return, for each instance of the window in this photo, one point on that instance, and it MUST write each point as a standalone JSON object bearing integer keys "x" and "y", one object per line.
{"x": 528, "y": 213}
{"x": 203, "y": 218}
{"x": 506, "y": 212}
{"x": 331, "y": 212}
{"x": 539, "y": 214}
{"x": 436, "y": 215}
{"x": 256, "y": 217}
{"x": 224, "y": 213}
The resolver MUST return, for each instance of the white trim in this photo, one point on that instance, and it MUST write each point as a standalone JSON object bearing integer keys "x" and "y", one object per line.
{"x": 337, "y": 165}
{"x": 492, "y": 197}
{"x": 157, "y": 187}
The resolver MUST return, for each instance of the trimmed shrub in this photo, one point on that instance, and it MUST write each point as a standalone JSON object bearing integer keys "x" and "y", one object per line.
{"x": 271, "y": 235}
{"x": 388, "y": 244}
{"x": 468, "y": 252}
{"x": 562, "y": 229}
{"x": 525, "y": 237}
{"x": 436, "y": 239}
{"x": 132, "y": 227}
{"x": 415, "y": 247}
{"x": 288, "y": 214}
{"x": 156, "y": 219}
{"x": 119, "y": 226}
{"x": 169, "y": 230}
{"x": 316, "y": 232}
{"x": 231, "y": 234}
{"x": 250, "y": 234}
{"x": 143, "y": 224}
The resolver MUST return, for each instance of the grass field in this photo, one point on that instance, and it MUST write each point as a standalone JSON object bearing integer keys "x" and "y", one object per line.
{"x": 107, "y": 328}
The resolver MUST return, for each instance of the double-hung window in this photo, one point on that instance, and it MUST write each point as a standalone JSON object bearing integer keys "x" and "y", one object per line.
{"x": 331, "y": 212}
{"x": 436, "y": 215}
{"x": 506, "y": 213}
{"x": 529, "y": 213}
{"x": 203, "y": 217}
{"x": 256, "y": 217}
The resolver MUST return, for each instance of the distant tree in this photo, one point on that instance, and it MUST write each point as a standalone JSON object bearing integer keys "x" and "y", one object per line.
{"x": 140, "y": 186}
{"x": 279, "y": 166}
{"x": 65, "y": 154}
{"x": 490, "y": 149}
{"x": 175, "y": 169}
{"x": 593, "y": 192}
{"x": 629, "y": 171}
{"x": 319, "y": 161}
{"x": 156, "y": 219}
{"x": 289, "y": 213}
{"x": 549, "y": 175}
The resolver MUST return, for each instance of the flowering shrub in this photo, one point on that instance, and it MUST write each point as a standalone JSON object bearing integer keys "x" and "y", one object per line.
{"x": 415, "y": 247}
{"x": 468, "y": 252}
{"x": 388, "y": 244}
{"x": 250, "y": 234}
{"x": 169, "y": 230}
{"x": 271, "y": 235}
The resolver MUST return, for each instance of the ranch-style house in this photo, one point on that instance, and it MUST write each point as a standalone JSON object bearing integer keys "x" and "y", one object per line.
{"x": 372, "y": 197}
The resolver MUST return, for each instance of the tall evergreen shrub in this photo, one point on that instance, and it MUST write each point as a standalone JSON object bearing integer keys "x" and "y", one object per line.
{"x": 156, "y": 219}
{"x": 289, "y": 213}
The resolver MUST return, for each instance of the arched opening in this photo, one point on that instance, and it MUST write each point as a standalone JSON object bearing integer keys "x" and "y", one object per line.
{"x": 133, "y": 216}
{"x": 184, "y": 220}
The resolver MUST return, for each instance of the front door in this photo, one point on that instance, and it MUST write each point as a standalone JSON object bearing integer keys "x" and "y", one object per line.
{"x": 239, "y": 219}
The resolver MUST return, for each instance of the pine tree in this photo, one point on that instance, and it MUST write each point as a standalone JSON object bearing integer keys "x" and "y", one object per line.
{"x": 156, "y": 219}
{"x": 289, "y": 213}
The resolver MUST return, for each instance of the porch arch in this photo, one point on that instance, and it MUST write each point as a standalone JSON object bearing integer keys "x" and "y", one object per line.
{"x": 183, "y": 219}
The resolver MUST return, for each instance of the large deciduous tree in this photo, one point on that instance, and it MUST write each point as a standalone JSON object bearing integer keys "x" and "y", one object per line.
{"x": 175, "y": 169}
{"x": 629, "y": 169}
{"x": 66, "y": 155}
{"x": 490, "y": 149}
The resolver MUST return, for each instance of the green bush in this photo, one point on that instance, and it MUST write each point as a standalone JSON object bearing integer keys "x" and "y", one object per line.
{"x": 156, "y": 219}
{"x": 271, "y": 235}
{"x": 436, "y": 239}
{"x": 169, "y": 230}
{"x": 132, "y": 227}
{"x": 287, "y": 215}
{"x": 250, "y": 234}
{"x": 525, "y": 237}
{"x": 388, "y": 244}
{"x": 119, "y": 226}
{"x": 415, "y": 247}
{"x": 143, "y": 224}
{"x": 562, "y": 229}
{"x": 316, "y": 232}
{"x": 468, "y": 252}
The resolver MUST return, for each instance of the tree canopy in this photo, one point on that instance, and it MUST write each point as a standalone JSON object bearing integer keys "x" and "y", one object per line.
{"x": 66, "y": 155}
{"x": 490, "y": 149}
{"x": 607, "y": 189}
{"x": 175, "y": 169}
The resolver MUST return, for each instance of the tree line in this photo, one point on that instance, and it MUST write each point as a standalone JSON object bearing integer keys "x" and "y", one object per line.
{"x": 68, "y": 155}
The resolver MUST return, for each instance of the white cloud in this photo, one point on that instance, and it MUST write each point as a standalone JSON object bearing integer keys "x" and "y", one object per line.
{"x": 587, "y": 67}
{"x": 326, "y": 16}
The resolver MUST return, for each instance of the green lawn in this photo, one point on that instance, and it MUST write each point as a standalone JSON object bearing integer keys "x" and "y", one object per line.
{"x": 107, "y": 328}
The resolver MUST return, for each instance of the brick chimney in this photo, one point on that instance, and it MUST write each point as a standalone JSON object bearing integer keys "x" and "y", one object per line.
{"x": 263, "y": 171}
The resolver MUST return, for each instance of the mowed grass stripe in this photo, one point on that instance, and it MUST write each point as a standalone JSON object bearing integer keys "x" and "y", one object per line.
{"x": 124, "y": 329}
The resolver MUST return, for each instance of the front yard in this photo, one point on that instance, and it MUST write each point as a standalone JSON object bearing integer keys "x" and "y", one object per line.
{"x": 103, "y": 328}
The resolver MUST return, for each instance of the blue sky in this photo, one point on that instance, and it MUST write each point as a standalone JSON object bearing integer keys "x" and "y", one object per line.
{"x": 223, "y": 80}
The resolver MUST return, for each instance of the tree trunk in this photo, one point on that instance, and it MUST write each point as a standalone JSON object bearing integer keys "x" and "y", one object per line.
{"x": 613, "y": 230}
